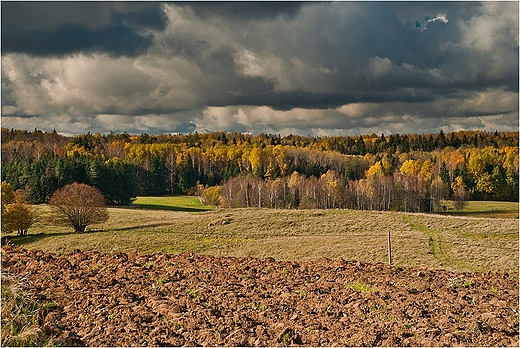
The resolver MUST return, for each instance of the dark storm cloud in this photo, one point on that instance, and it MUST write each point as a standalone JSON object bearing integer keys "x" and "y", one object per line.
{"x": 54, "y": 29}
{"x": 117, "y": 40}
{"x": 242, "y": 11}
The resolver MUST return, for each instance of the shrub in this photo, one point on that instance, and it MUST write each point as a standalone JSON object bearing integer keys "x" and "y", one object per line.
{"x": 16, "y": 216}
{"x": 211, "y": 195}
{"x": 78, "y": 206}
{"x": 7, "y": 198}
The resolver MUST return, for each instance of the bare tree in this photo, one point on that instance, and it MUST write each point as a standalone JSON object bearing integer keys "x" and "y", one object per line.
{"x": 79, "y": 205}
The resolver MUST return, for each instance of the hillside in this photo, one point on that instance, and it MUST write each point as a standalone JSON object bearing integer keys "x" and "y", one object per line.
{"x": 437, "y": 241}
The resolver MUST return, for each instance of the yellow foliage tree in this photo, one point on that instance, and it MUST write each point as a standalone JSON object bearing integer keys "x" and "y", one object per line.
{"x": 294, "y": 187}
{"x": 270, "y": 172}
{"x": 427, "y": 171}
{"x": 378, "y": 169}
{"x": 210, "y": 195}
{"x": 19, "y": 217}
{"x": 255, "y": 160}
{"x": 15, "y": 216}
{"x": 7, "y": 198}
{"x": 485, "y": 183}
{"x": 411, "y": 167}
{"x": 459, "y": 193}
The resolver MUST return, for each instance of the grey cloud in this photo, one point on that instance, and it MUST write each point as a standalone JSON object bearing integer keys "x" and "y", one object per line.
{"x": 39, "y": 15}
{"x": 242, "y": 11}
{"x": 175, "y": 61}
{"x": 49, "y": 15}
{"x": 56, "y": 29}
{"x": 68, "y": 39}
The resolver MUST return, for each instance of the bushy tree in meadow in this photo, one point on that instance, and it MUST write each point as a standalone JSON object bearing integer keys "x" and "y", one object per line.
{"x": 79, "y": 205}
{"x": 16, "y": 216}
{"x": 7, "y": 198}
{"x": 19, "y": 217}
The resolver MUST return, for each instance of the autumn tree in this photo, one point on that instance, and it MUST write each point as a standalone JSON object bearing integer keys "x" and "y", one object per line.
{"x": 438, "y": 191}
{"x": 7, "y": 198}
{"x": 210, "y": 195}
{"x": 460, "y": 194}
{"x": 16, "y": 216}
{"x": 332, "y": 189}
{"x": 294, "y": 188}
{"x": 79, "y": 205}
{"x": 19, "y": 217}
{"x": 379, "y": 185}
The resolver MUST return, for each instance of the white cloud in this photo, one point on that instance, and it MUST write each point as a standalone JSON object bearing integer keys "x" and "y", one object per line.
{"x": 495, "y": 25}
{"x": 478, "y": 110}
{"x": 378, "y": 67}
{"x": 254, "y": 65}
{"x": 439, "y": 18}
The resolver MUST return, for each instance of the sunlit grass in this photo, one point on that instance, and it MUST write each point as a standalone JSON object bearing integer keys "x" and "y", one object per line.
{"x": 361, "y": 286}
{"x": 432, "y": 240}
{"x": 485, "y": 209}
{"x": 175, "y": 203}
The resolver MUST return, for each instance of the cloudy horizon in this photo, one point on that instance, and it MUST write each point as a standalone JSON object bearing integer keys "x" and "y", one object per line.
{"x": 309, "y": 68}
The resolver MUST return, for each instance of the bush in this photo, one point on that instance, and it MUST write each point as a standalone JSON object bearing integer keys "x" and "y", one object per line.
{"x": 211, "y": 195}
{"x": 78, "y": 206}
{"x": 16, "y": 216}
{"x": 7, "y": 198}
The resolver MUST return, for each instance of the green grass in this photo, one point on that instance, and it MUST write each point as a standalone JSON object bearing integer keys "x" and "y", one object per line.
{"x": 432, "y": 240}
{"x": 22, "y": 316}
{"x": 485, "y": 209}
{"x": 361, "y": 286}
{"x": 175, "y": 203}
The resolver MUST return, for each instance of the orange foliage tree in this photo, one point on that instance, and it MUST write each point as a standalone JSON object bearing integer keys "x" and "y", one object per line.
{"x": 78, "y": 206}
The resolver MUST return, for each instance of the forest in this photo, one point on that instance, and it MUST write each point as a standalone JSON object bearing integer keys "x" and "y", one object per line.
{"x": 410, "y": 172}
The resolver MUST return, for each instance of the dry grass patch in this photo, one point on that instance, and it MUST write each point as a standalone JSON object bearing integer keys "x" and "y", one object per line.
{"x": 436, "y": 241}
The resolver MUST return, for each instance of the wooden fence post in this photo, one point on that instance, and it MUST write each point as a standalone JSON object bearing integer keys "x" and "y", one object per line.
{"x": 389, "y": 250}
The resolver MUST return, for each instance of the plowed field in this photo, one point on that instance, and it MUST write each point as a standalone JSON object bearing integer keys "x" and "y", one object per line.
{"x": 129, "y": 299}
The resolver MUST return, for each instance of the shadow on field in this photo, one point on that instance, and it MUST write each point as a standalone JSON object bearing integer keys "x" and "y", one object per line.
{"x": 484, "y": 214}
{"x": 139, "y": 227}
{"x": 29, "y": 238}
{"x": 167, "y": 207}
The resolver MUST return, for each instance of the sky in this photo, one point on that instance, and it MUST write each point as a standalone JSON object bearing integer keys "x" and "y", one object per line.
{"x": 308, "y": 68}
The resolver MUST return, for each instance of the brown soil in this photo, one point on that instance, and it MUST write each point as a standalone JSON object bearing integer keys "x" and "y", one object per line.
{"x": 196, "y": 300}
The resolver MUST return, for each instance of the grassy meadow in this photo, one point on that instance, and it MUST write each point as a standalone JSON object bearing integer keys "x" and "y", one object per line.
{"x": 175, "y": 203}
{"x": 178, "y": 224}
{"x": 485, "y": 209}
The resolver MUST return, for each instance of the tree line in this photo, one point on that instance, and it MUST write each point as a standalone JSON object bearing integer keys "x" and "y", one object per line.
{"x": 400, "y": 172}
{"x": 32, "y": 144}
